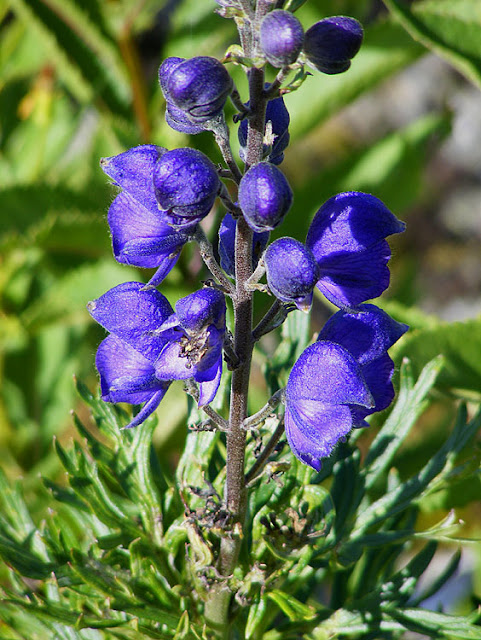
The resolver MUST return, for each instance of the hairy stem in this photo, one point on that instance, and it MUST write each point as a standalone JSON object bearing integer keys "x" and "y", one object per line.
{"x": 207, "y": 255}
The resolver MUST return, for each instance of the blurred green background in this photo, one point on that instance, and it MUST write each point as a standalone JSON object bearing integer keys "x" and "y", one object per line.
{"x": 78, "y": 81}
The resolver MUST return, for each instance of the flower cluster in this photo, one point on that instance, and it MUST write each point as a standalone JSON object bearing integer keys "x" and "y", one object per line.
{"x": 338, "y": 380}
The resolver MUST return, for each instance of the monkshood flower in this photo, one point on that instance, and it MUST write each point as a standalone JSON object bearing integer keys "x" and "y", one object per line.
{"x": 195, "y": 350}
{"x": 125, "y": 359}
{"x": 264, "y": 196}
{"x": 330, "y": 44}
{"x": 198, "y": 86}
{"x": 227, "y": 231}
{"x": 186, "y": 185}
{"x": 140, "y": 236}
{"x": 347, "y": 239}
{"x": 278, "y": 117}
{"x": 175, "y": 117}
{"x": 291, "y": 272}
{"x": 281, "y": 38}
{"x": 149, "y": 345}
{"x": 367, "y": 335}
{"x": 339, "y": 380}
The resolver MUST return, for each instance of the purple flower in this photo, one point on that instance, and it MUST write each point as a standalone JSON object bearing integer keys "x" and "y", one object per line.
{"x": 149, "y": 345}
{"x": 291, "y": 272}
{"x": 278, "y": 116}
{"x": 281, "y": 38}
{"x": 330, "y": 44}
{"x": 186, "y": 185}
{"x": 347, "y": 238}
{"x": 324, "y": 386}
{"x": 227, "y": 231}
{"x": 125, "y": 359}
{"x": 339, "y": 380}
{"x": 195, "y": 349}
{"x": 199, "y": 87}
{"x": 264, "y": 196}
{"x": 140, "y": 236}
{"x": 175, "y": 117}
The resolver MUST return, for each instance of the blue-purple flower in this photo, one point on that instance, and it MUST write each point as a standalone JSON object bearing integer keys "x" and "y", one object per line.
{"x": 331, "y": 43}
{"x": 198, "y": 87}
{"x": 186, "y": 185}
{"x": 149, "y": 345}
{"x": 281, "y": 37}
{"x": 347, "y": 239}
{"x": 140, "y": 236}
{"x": 339, "y": 380}
{"x": 264, "y": 196}
{"x": 175, "y": 117}
{"x": 195, "y": 349}
{"x": 291, "y": 272}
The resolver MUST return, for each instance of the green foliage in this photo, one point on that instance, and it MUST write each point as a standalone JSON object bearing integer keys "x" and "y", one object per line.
{"x": 112, "y": 543}
{"x": 450, "y": 29}
{"x": 126, "y": 550}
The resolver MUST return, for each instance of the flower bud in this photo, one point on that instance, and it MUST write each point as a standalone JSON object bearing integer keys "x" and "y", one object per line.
{"x": 278, "y": 116}
{"x": 185, "y": 184}
{"x": 175, "y": 117}
{"x": 199, "y": 86}
{"x": 291, "y": 271}
{"x": 330, "y": 44}
{"x": 264, "y": 196}
{"x": 281, "y": 38}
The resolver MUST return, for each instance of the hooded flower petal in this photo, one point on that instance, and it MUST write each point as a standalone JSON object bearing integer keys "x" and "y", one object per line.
{"x": 133, "y": 313}
{"x": 126, "y": 376}
{"x": 367, "y": 335}
{"x": 201, "y": 308}
{"x": 140, "y": 237}
{"x": 347, "y": 238}
{"x": 291, "y": 271}
{"x": 325, "y": 385}
{"x": 186, "y": 185}
{"x": 132, "y": 171}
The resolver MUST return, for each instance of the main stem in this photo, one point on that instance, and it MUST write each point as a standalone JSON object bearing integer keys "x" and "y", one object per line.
{"x": 217, "y": 607}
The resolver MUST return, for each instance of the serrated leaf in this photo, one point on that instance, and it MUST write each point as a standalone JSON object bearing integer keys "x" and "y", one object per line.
{"x": 450, "y": 29}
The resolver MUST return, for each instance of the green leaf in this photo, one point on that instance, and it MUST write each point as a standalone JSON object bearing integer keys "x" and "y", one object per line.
{"x": 437, "y": 625}
{"x": 87, "y": 61}
{"x": 289, "y": 605}
{"x": 411, "y": 490}
{"x": 460, "y": 344}
{"x": 450, "y": 29}
{"x": 411, "y": 402}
